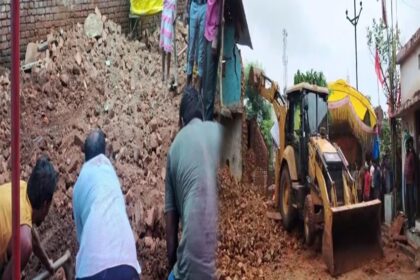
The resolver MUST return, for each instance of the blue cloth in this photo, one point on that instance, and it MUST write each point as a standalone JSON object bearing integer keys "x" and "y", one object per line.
{"x": 197, "y": 42}
{"x": 121, "y": 272}
{"x": 171, "y": 276}
{"x": 233, "y": 69}
{"x": 376, "y": 148}
{"x": 104, "y": 233}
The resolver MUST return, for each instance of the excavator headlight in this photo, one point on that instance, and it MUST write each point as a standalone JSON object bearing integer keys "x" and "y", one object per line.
{"x": 332, "y": 157}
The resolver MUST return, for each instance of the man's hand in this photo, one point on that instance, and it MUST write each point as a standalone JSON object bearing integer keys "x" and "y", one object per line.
{"x": 40, "y": 252}
{"x": 49, "y": 267}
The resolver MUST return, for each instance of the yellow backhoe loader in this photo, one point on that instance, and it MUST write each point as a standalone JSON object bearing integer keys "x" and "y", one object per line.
{"x": 313, "y": 183}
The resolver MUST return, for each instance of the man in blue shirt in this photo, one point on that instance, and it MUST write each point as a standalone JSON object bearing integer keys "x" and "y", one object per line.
{"x": 107, "y": 249}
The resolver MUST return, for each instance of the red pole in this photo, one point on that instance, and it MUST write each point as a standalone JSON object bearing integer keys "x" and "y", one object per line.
{"x": 15, "y": 122}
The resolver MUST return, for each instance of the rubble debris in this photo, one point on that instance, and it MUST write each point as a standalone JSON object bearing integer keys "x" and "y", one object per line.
{"x": 59, "y": 104}
{"x": 93, "y": 26}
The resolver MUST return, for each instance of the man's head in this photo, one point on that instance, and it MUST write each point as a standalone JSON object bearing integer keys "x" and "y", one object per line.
{"x": 190, "y": 107}
{"x": 41, "y": 187}
{"x": 94, "y": 144}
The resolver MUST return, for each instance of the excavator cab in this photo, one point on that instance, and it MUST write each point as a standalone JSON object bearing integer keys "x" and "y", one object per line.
{"x": 306, "y": 116}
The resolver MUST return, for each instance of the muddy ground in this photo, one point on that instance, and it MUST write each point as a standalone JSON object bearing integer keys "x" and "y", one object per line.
{"x": 113, "y": 83}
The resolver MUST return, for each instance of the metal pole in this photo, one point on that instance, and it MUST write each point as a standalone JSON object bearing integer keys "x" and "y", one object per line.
{"x": 354, "y": 22}
{"x": 355, "y": 47}
{"x": 15, "y": 120}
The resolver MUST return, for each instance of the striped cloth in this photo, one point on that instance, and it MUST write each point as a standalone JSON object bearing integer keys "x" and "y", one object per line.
{"x": 167, "y": 27}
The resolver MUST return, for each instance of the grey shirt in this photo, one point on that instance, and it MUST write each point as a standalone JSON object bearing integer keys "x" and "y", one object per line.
{"x": 191, "y": 191}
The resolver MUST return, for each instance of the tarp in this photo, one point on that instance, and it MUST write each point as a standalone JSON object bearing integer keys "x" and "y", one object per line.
{"x": 350, "y": 108}
{"x": 146, "y": 7}
{"x": 339, "y": 90}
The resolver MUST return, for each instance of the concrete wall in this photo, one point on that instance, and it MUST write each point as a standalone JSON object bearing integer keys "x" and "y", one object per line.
{"x": 410, "y": 73}
{"x": 38, "y": 17}
{"x": 232, "y": 144}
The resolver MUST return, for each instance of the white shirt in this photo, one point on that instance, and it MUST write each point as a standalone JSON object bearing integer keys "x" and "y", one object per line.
{"x": 103, "y": 230}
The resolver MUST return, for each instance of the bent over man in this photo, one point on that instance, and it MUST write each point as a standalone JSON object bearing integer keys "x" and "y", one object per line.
{"x": 35, "y": 200}
{"x": 191, "y": 193}
{"x": 107, "y": 249}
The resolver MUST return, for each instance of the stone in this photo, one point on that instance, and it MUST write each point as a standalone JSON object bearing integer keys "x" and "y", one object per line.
{"x": 153, "y": 144}
{"x": 149, "y": 242}
{"x": 78, "y": 141}
{"x": 78, "y": 58}
{"x": 64, "y": 78}
{"x": 151, "y": 216}
{"x": 274, "y": 216}
{"x": 93, "y": 26}
{"x": 31, "y": 53}
{"x": 153, "y": 125}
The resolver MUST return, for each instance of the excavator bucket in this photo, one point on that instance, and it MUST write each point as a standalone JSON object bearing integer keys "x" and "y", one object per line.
{"x": 352, "y": 236}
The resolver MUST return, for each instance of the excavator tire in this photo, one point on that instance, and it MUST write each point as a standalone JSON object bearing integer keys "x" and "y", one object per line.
{"x": 309, "y": 221}
{"x": 287, "y": 211}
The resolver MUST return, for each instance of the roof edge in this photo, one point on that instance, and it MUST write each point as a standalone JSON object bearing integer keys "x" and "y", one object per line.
{"x": 409, "y": 47}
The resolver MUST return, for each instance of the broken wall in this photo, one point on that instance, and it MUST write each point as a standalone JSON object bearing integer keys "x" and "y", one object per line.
{"x": 38, "y": 17}
{"x": 257, "y": 145}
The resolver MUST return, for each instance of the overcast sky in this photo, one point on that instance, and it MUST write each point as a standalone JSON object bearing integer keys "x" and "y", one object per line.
{"x": 320, "y": 37}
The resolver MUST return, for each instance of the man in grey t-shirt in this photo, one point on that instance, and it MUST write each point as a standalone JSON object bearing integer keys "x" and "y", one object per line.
{"x": 191, "y": 193}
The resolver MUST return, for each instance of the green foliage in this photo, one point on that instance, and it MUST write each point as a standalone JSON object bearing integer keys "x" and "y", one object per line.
{"x": 311, "y": 77}
{"x": 266, "y": 126}
{"x": 257, "y": 107}
{"x": 386, "y": 40}
{"x": 385, "y": 137}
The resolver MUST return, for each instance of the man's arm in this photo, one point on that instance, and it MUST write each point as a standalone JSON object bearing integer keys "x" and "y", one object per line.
{"x": 40, "y": 252}
{"x": 172, "y": 220}
{"x": 171, "y": 216}
{"x": 25, "y": 251}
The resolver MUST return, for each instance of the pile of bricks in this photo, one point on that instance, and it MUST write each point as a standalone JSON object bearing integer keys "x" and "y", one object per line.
{"x": 38, "y": 17}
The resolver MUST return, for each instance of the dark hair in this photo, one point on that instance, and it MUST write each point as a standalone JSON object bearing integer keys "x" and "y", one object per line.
{"x": 190, "y": 107}
{"x": 42, "y": 183}
{"x": 94, "y": 144}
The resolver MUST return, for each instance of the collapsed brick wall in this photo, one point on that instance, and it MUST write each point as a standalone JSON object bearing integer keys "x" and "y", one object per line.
{"x": 38, "y": 17}
{"x": 257, "y": 145}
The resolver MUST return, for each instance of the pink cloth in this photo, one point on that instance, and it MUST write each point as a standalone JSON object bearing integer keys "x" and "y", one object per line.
{"x": 212, "y": 19}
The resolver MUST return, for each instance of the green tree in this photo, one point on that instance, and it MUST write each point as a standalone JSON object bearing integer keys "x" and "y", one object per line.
{"x": 311, "y": 77}
{"x": 385, "y": 39}
{"x": 385, "y": 137}
{"x": 257, "y": 107}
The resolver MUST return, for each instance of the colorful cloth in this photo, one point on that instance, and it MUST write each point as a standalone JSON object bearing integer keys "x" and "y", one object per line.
{"x": 197, "y": 41}
{"x": 167, "y": 25}
{"x": 367, "y": 183}
{"x": 212, "y": 19}
{"x": 103, "y": 230}
{"x": 6, "y": 214}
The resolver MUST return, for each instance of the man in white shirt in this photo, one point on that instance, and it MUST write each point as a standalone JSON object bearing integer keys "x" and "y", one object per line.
{"x": 107, "y": 249}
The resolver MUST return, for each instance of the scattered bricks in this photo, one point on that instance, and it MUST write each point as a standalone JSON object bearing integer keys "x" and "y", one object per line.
{"x": 64, "y": 78}
{"x": 78, "y": 141}
{"x": 151, "y": 217}
{"x": 74, "y": 164}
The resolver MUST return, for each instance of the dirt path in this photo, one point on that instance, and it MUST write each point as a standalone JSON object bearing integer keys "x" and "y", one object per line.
{"x": 253, "y": 246}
